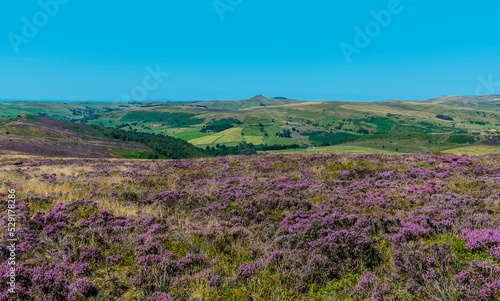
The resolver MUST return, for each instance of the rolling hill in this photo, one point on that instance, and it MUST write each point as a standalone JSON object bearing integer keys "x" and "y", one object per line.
{"x": 467, "y": 101}
{"x": 395, "y": 126}
{"x": 45, "y": 136}
{"x": 255, "y": 101}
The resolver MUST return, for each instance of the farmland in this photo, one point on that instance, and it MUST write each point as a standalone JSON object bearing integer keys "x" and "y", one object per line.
{"x": 265, "y": 124}
{"x": 264, "y": 227}
{"x": 436, "y": 125}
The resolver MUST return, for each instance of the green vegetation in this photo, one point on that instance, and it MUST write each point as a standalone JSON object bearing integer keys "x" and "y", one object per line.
{"x": 384, "y": 125}
{"x": 172, "y": 119}
{"x": 162, "y": 146}
{"x": 224, "y": 121}
{"x": 215, "y": 128}
{"x": 189, "y": 135}
{"x": 331, "y": 149}
{"x": 137, "y": 155}
{"x": 444, "y": 117}
{"x": 329, "y": 138}
{"x": 459, "y": 249}
{"x": 461, "y": 139}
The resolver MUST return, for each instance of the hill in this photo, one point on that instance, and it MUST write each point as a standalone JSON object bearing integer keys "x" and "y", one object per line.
{"x": 433, "y": 125}
{"x": 255, "y": 101}
{"x": 57, "y": 138}
{"x": 467, "y": 101}
{"x": 308, "y": 123}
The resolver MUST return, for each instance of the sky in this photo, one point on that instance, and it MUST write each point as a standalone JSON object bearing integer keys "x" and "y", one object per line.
{"x": 366, "y": 50}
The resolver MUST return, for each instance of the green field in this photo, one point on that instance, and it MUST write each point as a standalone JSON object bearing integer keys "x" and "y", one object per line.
{"x": 232, "y": 135}
{"x": 256, "y": 140}
{"x": 190, "y": 135}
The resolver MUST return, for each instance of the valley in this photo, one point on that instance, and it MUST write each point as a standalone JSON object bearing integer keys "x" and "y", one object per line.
{"x": 286, "y": 125}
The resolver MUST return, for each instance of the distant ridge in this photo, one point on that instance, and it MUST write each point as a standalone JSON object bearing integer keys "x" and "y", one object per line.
{"x": 255, "y": 101}
{"x": 464, "y": 101}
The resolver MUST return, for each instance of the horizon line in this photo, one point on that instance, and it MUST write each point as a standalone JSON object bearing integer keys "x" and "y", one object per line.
{"x": 276, "y": 97}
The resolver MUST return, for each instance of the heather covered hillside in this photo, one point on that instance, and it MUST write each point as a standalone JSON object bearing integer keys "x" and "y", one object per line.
{"x": 43, "y": 136}
{"x": 267, "y": 227}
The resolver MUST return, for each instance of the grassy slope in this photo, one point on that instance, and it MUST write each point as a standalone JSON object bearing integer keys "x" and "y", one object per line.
{"x": 52, "y": 137}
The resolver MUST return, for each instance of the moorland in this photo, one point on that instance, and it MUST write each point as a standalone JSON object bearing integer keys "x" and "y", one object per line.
{"x": 263, "y": 227}
{"x": 259, "y": 199}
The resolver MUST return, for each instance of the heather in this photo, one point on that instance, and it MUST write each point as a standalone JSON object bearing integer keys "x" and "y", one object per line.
{"x": 267, "y": 227}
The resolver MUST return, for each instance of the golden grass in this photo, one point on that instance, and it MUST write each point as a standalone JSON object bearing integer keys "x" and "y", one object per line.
{"x": 230, "y": 135}
{"x": 256, "y": 140}
{"x": 205, "y": 140}
{"x": 227, "y": 136}
{"x": 381, "y": 109}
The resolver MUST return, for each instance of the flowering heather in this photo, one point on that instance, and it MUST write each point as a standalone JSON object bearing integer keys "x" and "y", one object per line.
{"x": 270, "y": 227}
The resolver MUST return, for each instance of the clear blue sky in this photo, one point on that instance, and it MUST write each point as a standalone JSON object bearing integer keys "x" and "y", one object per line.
{"x": 99, "y": 50}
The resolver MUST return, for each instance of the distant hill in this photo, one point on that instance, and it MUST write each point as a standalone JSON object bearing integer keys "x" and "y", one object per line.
{"x": 466, "y": 101}
{"x": 256, "y": 101}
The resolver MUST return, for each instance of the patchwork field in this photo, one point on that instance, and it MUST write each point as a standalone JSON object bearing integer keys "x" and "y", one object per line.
{"x": 263, "y": 121}
{"x": 265, "y": 227}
